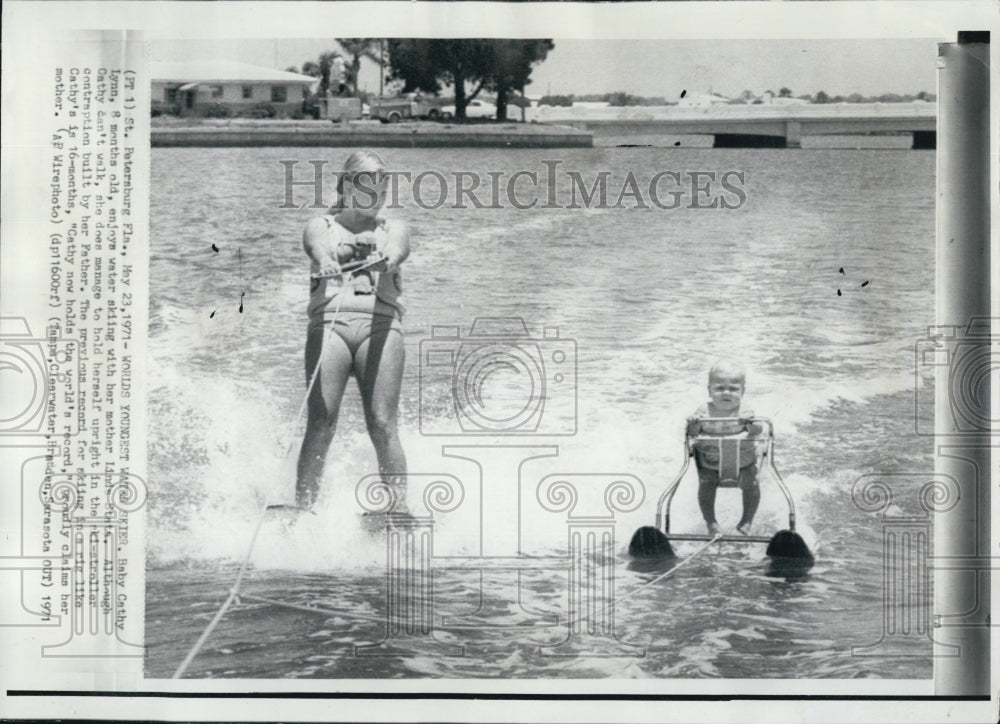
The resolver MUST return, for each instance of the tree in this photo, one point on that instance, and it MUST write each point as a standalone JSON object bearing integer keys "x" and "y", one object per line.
{"x": 822, "y": 97}
{"x": 785, "y": 93}
{"x": 564, "y": 101}
{"x": 325, "y": 70}
{"x": 620, "y": 99}
{"x": 414, "y": 63}
{"x": 356, "y": 49}
{"x": 425, "y": 63}
{"x": 512, "y": 62}
{"x": 499, "y": 65}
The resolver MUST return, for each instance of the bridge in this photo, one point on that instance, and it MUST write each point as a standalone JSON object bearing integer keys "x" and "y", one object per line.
{"x": 760, "y": 126}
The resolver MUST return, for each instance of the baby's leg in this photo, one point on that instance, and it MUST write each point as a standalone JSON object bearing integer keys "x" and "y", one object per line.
{"x": 751, "y": 496}
{"x": 708, "y": 481}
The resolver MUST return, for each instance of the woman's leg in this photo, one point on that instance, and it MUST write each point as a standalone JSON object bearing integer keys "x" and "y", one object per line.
{"x": 334, "y": 360}
{"x": 378, "y": 365}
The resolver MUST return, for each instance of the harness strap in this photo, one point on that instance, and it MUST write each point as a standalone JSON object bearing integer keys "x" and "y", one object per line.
{"x": 729, "y": 461}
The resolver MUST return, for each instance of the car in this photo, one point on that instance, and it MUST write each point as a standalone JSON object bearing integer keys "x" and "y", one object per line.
{"x": 406, "y": 107}
{"x": 475, "y": 109}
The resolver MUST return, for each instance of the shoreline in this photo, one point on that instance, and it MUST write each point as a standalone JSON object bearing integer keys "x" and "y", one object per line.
{"x": 186, "y": 133}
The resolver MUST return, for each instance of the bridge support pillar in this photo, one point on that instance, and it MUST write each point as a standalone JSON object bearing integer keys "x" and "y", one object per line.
{"x": 924, "y": 140}
{"x": 793, "y": 134}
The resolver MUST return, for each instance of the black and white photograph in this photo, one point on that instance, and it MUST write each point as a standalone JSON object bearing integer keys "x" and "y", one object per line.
{"x": 532, "y": 361}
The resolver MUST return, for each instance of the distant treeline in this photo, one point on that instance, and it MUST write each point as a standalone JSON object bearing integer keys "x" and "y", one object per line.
{"x": 822, "y": 97}
{"x": 619, "y": 98}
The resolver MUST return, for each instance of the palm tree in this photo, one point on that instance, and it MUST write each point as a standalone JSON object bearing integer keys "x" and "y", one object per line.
{"x": 356, "y": 49}
{"x": 326, "y": 62}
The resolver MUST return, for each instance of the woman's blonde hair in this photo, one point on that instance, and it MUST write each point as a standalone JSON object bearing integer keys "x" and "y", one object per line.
{"x": 358, "y": 162}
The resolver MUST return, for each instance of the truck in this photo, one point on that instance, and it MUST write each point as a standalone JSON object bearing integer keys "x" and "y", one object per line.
{"x": 411, "y": 105}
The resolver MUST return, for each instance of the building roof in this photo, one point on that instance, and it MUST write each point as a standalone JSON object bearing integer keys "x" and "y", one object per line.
{"x": 208, "y": 71}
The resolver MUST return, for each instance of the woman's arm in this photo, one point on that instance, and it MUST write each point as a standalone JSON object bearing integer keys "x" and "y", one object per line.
{"x": 396, "y": 247}
{"x": 313, "y": 243}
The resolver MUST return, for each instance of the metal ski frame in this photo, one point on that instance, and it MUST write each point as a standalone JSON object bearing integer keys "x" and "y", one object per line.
{"x": 767, "y": 458}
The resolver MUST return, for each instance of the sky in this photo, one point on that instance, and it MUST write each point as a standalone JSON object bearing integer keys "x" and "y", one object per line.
{"x": 653, "y": 67}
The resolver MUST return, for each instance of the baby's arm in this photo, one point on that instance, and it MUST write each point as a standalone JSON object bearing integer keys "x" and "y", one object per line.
{"x": 755, "y": 433}
{"x": 694, "y": 421}
{"x": 755, "y": 429}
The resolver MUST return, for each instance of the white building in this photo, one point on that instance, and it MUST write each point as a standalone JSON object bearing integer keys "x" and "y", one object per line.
{"x": 200, "y": 87}
{"x": 702, "y": 100}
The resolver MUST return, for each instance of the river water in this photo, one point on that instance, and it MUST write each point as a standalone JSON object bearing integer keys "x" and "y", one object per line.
{"x": 820, "y": 281}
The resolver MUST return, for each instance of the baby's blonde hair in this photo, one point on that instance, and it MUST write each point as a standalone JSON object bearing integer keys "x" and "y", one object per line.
{"x": 727, "y": 369}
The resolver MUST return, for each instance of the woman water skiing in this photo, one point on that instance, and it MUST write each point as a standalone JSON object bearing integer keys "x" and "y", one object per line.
{"x": 354, "y": 323}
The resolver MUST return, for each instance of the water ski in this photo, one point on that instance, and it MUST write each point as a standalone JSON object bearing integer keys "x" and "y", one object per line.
{"x": 288, "y": 510}
{"x": 648, "y": 542}
{"x": 285, "y": 515}
{"x": 788, "y": 544}
{"x": 376, "y": 523}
